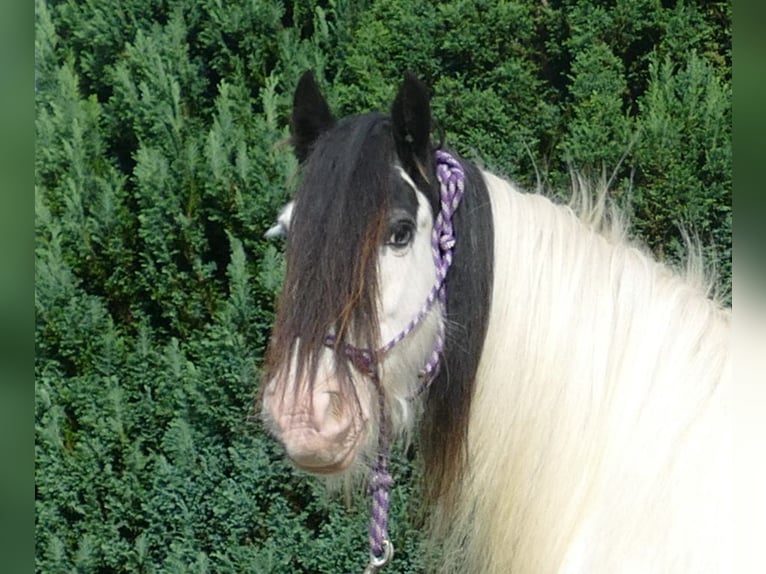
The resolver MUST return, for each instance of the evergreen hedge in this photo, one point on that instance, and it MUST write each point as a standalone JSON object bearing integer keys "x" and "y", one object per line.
{"x": 161, "y": 160}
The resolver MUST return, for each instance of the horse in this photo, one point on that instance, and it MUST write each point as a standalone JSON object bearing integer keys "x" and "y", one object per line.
{"x": 564, "y": 388}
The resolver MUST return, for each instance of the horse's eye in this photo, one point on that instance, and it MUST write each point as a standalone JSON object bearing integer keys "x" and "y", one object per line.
{"x": 401, "y": 235}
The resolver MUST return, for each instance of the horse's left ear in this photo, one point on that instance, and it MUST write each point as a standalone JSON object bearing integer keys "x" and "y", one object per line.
{"x": 411, "y": 114}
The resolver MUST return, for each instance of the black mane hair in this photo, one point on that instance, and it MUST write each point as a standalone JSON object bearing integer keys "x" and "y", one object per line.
{"x": 331, "y": 283}
{"x": 444, "y": 430}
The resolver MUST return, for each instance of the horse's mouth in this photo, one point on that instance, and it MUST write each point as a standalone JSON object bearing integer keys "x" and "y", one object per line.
{"x": 314, "y": 453}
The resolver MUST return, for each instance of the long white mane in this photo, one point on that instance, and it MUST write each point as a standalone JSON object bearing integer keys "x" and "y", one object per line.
{"x": 597, "y": 437}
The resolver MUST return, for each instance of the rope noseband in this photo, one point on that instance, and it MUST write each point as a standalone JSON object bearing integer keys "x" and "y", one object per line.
{"x": 451, "y": 188}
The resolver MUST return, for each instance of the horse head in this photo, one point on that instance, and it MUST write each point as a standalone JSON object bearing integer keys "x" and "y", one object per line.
{"x": 360, "y": 268}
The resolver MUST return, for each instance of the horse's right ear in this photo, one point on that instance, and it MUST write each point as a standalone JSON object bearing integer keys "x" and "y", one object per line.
{"x": 311, "y": 116}
{"x": 411, "y": 115}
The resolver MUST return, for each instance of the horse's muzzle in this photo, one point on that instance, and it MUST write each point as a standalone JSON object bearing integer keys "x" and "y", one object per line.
{"x": 320, "y": 431}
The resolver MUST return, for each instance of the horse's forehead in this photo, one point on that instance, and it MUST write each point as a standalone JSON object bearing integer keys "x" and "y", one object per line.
{"x": 403, "y": 192}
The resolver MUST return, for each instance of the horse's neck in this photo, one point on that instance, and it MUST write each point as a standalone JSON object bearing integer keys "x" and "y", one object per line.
{"x": 581, "y": 308}
{"x": 592, "y": 350}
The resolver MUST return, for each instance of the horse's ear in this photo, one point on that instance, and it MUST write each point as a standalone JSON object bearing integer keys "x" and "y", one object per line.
{"x": 411, "y": 114}
{"x": 311, "y": 116}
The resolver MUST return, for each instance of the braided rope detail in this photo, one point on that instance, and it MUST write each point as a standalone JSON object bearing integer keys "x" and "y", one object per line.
{"x": 452, "y": 187}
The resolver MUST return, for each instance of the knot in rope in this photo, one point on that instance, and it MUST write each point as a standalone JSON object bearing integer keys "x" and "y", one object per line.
{"x": 451, "y": 188}
{"x": 447, "y": 241}
{"x": 361, "y": 359}
{"x": 379, "y": 480}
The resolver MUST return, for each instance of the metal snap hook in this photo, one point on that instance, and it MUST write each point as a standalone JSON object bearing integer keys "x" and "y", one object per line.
{"x": 377, "y": 563}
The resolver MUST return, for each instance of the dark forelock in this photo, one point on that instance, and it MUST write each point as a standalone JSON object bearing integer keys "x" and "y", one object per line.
{"x": 340, "y": 206}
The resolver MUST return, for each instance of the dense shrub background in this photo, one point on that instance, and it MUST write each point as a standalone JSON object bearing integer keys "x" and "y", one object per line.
{"x": 160, "y": 163}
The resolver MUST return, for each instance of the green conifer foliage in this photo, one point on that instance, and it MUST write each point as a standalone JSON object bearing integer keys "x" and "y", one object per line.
{"x": 161, "y": 160}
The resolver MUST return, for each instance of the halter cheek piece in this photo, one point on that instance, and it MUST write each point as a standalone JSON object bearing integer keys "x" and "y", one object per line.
{"x": 451, "y": 187}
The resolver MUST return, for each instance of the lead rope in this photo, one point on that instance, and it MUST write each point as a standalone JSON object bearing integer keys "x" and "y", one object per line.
{"x": 451, "y": 187}
{"x": 379, "y": 488}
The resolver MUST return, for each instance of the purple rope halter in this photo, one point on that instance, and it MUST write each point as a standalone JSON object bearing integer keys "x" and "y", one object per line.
{"x": 451, "y": 184}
